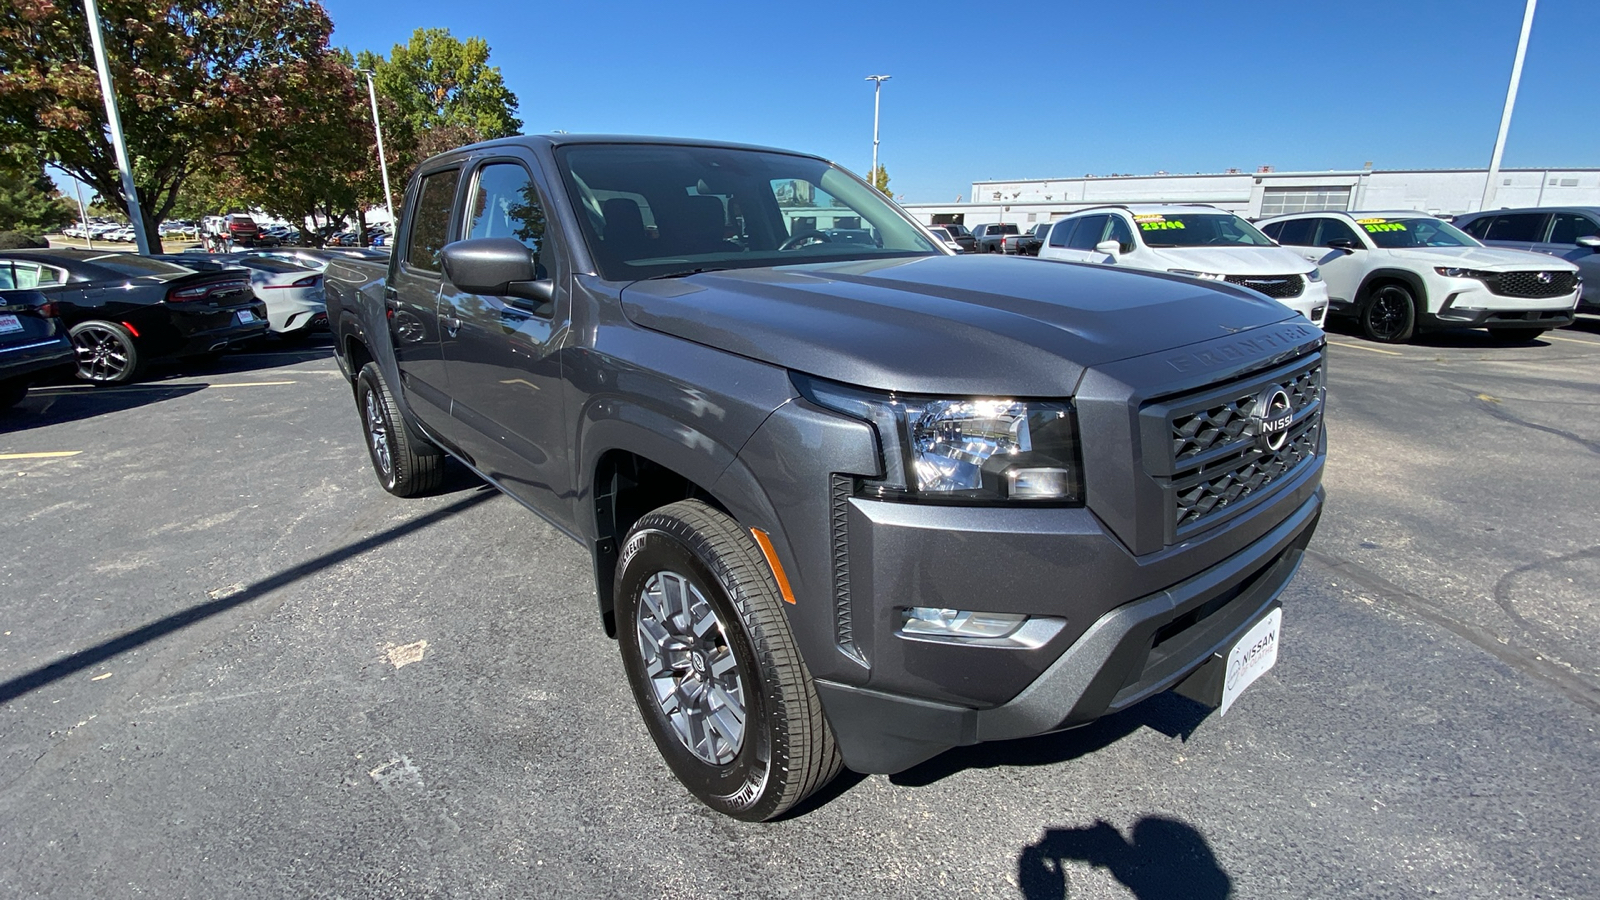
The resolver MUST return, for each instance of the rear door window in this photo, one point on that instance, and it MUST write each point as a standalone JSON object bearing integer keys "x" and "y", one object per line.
{"x": 1088, "y": 233}
{"x": 1479, "y": 227}
{"x": 1522, "y": 228}
{"x": 1061, "y": 232}
{"x": 430, "y": 221}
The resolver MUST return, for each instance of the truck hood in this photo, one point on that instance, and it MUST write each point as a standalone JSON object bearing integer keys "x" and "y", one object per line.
{"x": 945, "y": 324}
{"x": 1489, "y": 259}
{"x": 1234, "y": 260}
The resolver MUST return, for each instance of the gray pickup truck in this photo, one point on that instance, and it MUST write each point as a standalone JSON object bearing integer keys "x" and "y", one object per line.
{"x": 849, "y": 504}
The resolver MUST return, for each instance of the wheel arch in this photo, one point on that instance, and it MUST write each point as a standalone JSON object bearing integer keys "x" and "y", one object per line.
{"x": 1379, "y": 277}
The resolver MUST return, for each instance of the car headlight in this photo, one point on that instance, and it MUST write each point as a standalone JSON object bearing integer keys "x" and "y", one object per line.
{"x": 1455, "y": 272}
{"x": 1209, "y": 276}
{"x": 970, "y": 450}
{"x": 1314, "y": 276}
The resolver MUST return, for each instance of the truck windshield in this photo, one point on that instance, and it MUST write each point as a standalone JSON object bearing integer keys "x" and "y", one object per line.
{"x": 1184, "y": 229}
{"x": 1395, "y": 234}
{"x": 654, "y": 210}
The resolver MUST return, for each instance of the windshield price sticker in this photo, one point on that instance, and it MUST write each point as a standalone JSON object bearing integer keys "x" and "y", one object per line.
{"x": 1161, "y": 226}
{"x": 1251, "y": 657}
{"x": 1375, "y": 227}
{"x": 1371, "y": 221}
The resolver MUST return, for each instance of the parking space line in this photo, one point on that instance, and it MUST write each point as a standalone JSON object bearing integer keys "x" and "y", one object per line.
{"x": 251, "y": 384}
{"x": 1366, "y": 348}
{"x": 49, "y": 454}
{"x": 1567, "y": 340}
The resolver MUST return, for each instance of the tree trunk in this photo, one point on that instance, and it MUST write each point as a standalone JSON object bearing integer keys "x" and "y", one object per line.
{"x": 361, "y": 226}
{"x": 152, "y": 229}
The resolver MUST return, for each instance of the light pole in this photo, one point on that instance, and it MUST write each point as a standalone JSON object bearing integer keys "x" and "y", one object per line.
{"x": 877, "y": 91}
{"x": 114, "y": 122}
{"x": 383, "y": 162}
{"x": 1489, "y": 186}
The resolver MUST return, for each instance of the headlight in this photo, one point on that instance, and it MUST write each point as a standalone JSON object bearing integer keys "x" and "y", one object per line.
{"x": 1453, "y": 272}
{"x": 965, "y": 450}
{"x": 1209, "y": 276}
{"x": 1314, "y": 276}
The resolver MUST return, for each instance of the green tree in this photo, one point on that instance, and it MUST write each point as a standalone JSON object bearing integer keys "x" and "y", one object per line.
{"x": 880, "y": 180}
{"x": 439, "y": 92}
{"x": 197, "y": 82}
{"x": 29, "y": 201}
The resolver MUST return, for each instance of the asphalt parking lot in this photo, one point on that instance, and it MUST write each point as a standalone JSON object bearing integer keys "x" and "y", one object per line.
{"x": 232, "y": 666}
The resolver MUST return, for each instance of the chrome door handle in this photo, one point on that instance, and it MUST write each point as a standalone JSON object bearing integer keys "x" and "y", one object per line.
{"x": 451, "y": 324}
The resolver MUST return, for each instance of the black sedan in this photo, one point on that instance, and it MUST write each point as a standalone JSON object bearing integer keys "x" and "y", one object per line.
{"x": 32, "y": 340}
{"x": 123, "y": 311}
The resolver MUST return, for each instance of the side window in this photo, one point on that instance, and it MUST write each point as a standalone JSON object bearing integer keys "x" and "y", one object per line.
{"x": 1520, "y": 227}
{"x": 1569, "y": 227}
{"x": 1335, "y": 230}
{"x": 1295, "y": 232}
{"x": 1122, "y": 234}
{"x": 505, "y": 204}
{"x": 1061, "y": 232}
{"x": 1479, "y": 227}
{"x": 1088, "y": 233}
{"x": 430, "y": 221}
{"x": 1273, "y": 230}
{"x": 8, "y": 281}
{"x": 26, "y": 275}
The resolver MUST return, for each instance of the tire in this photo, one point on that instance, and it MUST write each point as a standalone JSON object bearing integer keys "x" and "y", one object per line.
{"x": 1515, "y": 335}
{"x": 12, "y": 392}
{"x": 680, "y": 565}
{"x": 1390, "y": 314}
{"x": 406, "y": 463}
{"x": 106, "y": 353}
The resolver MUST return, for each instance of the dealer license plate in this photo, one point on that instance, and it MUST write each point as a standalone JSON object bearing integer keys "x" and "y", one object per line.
{"x": 1252, "y": 657}
{"x": 245, "y": 316}
{"x": 9, "y": 324}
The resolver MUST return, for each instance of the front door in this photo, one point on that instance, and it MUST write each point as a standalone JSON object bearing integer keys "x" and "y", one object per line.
{"x": 500, "y": 352}
{"x": 411, "y": 298}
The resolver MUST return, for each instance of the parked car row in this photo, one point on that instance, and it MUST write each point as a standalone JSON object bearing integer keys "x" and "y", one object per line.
{"x": 122, "y": 311}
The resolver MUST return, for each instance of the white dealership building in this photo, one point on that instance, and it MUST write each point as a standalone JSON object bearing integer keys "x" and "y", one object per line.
{"x": 1266, "y": 192}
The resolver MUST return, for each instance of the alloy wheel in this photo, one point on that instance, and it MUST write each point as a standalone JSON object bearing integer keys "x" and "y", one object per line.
{"x": 103, "y": 354}
{"x": 691, "y": 667}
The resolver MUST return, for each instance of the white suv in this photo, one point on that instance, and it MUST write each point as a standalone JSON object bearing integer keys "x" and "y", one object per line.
{"x": 1404, "y": 272}
{"x": 1194, "y": 240}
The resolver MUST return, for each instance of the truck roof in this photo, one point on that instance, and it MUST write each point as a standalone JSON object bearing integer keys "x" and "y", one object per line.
{"x": 561, "y": 140}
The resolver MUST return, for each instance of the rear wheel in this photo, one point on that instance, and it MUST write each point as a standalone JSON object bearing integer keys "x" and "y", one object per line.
{"x": 714, "y": 667}
{"x": 105, "y": 351}
{"x": 406, "y": 463}
{"x": 1390, "y": 315}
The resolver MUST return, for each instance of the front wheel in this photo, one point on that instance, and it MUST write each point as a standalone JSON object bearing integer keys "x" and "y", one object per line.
{"x": 1390, "y": 316}
{"x": 406, "y": 463}
{"x": 714, "y": 668}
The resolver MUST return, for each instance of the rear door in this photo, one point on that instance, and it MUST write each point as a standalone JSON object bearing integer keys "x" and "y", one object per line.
{"x": 411, "y": 297}
{"x": 1562, "y": 241}
{"x": 501, "y": 352}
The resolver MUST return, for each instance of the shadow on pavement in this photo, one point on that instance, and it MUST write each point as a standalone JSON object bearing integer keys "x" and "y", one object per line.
{"x": 1161, "y": 858}
{"x": 1168, "y": 713}
{"x": 47, "y": 405}
{"x": 90, "y": 656}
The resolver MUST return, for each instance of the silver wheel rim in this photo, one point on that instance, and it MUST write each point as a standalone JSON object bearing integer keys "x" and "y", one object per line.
{"x": 690, "y": 668}
{"x": 378, "y": 433}
{"x": 102, "y": 354}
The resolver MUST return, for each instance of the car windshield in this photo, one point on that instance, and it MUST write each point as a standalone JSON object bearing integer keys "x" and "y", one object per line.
{"x": 1196, "y": 229}
{"x": 650, "y": 211}
{"x": 1422, "y": 231}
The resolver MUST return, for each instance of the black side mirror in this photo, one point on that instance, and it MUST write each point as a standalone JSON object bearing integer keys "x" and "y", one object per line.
{"x": 1345, "y": 244}
{"x": 497, "y": 266}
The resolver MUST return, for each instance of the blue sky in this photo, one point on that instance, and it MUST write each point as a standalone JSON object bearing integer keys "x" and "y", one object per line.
{"x": 1044, "y": 89}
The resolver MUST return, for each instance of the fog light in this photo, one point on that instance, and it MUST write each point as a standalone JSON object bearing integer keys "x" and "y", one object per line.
{"x": 928, "y": 621}
{"x": 1039, "y": 484}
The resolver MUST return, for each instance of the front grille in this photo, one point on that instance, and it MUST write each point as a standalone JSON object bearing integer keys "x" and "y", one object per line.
{"x": 1217, "y": 460}
{"x": 1533, "y": 285}
{"x": 1278, "y": 287}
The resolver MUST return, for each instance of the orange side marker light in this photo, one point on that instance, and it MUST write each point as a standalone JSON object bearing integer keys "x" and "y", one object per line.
{"x": 765, "y": 543}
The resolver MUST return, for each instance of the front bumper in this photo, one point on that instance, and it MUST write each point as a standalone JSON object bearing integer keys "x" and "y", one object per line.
{"x": 1127, "y": 655}
{"x": 1469, "y": 304}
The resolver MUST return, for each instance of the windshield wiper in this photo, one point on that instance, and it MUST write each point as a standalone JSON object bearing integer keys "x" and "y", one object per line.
{"x": 687, "y": 272}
